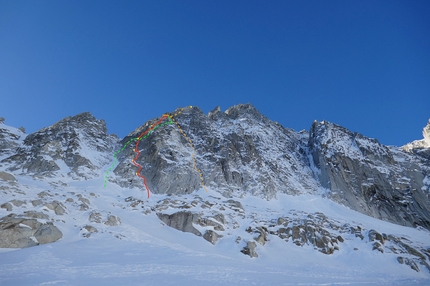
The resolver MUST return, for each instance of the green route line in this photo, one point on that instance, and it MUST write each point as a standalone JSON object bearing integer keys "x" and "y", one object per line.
{"x": 115, "y": 159}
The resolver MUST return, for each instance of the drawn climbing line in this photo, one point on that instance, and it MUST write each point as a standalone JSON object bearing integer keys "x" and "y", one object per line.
{"x": 192, "y": 146}
{"x": 147, "y": 133}
{"x": 126, "y": 144}
{"x": 136, "y": 148}
{"x": 115, "y": 159}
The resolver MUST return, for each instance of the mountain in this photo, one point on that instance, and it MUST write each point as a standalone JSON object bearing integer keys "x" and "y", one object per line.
{"x": 232, "y": 187}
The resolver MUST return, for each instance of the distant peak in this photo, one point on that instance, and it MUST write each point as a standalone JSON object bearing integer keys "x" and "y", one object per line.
{"x": 419, "y": 144}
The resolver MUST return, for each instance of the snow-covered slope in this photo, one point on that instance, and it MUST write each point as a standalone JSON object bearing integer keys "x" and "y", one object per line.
{"x": 142, "y": 250}
{"x": 265, "y": 214}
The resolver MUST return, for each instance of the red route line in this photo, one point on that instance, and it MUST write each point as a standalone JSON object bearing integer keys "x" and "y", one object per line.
{"x": 136, "y": 149}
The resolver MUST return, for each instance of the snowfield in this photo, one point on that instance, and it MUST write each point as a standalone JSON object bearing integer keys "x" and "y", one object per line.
{"x": 144, "y": 251}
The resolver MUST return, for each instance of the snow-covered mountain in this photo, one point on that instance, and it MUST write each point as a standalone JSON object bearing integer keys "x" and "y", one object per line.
{"x": 235, "y": 199}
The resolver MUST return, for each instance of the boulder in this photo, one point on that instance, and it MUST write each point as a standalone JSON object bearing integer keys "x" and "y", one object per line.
{"x": 36, "y": 203}
{"x": 211, "y": 236}
{"x": 17, "y": 203}
{"x": 377, "y": 246}
{"x": 262, "y": 237}
{"x": 47, "y": 233}
{"x": 57, "y": 207}
{"x": 209, "y": 222}
{"x": 113, "y": 220}
{"x": 8, "y": 206}
{"x": 35, "y": 214}
{"x": 182, "y": 221}
{"x": 18, "y": 232}
{"x": 249, "y": 249}
{"x": 374, "y": 235}
{"x": 95, "y": 217}
{"x": 7, "y": 177}
{"x": 89, "y": 230}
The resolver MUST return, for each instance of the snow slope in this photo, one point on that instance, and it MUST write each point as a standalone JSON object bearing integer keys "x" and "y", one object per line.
{"x": 143, "y": 251}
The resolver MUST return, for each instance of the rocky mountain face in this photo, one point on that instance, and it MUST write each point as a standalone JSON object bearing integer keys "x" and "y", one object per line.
{"x": 239, "y": 150}
{"x": 78, "y": 145}
{"x": 377, "y": 180}
{"x": 233, "y": 155}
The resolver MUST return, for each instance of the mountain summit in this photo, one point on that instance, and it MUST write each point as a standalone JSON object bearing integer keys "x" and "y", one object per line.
{"x": 232, "y": 178}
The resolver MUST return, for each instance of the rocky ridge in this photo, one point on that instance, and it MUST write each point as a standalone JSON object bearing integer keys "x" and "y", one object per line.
{"x": 240, "y": 153}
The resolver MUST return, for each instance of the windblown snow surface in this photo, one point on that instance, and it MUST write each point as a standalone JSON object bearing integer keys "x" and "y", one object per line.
{"x": 144, "y": 251}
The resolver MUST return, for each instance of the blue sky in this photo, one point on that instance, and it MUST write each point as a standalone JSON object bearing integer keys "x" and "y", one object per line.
{"x": 364, "y": 65}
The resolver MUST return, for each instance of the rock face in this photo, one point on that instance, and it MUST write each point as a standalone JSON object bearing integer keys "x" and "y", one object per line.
{"x": 81, "y": 143}
{"x": 18, "y": 232}
{"x": 239, "y": 149}
{"x": 369, "y": 177}
{"x": 10, "y": 139}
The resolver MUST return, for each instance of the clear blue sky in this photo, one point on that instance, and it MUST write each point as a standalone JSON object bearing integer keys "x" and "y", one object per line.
{"x": 364, "y": 65}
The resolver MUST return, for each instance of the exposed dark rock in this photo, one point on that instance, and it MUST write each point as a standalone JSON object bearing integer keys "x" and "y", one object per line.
{"x": 412, "y": 264}
{"x": 7, "y": 177}
{"x": 47, "y": 233}
{"x": 113, "y": 220}
{"x": 378, "y": 246}
{"x": 211, "y": 236}
{"x": 36, "y": 214}
{"x": 262, "y": 237}
{"x": 368, "y": 176}
{"x": 249, "y": 249}
{"x": 233, "y": 159}
{"x": 63, "y": 141}
{"x": 209, "y": 222}
{"x": 374, "y": 235}
{"x": 8, "y": 206}
{"x": 89, "y": 230}
{"x": 36, "y": 203}
{"x": 22, "y": 232}
{"x": 182, "y": 221}
{"x": 57, "y": 207}
{"x": 95, "y": 217}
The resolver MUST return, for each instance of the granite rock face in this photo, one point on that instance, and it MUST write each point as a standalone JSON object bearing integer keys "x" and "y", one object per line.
{"x": 78, "y": 146}
{"x": 237, "y": 150}
{"x": 380, "y": 181}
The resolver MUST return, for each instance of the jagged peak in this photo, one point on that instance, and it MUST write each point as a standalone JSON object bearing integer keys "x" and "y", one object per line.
{"x": 80, "y": 118}
{"x": 420, "y": 144}
{"x": 215, "y": 112}
{"x": 242, "y": 109}
{"x": 84, "y": 120}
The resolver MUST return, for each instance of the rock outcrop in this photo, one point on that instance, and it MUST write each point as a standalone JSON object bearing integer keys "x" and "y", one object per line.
{"x": 19, "y": 232}
{"x": 182, "y": 221}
